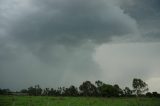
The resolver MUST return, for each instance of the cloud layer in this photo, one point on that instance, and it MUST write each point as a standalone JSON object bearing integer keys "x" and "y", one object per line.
{"x": 53, "y": 42}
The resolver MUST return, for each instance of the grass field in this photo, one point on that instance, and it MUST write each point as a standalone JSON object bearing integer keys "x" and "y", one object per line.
{"x": 76, "y": 101}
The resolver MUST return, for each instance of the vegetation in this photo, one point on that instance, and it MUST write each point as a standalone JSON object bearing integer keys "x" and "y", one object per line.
{"x": 99, "y": 89}
{"x": 75, "y": 101}
{"x": 139, "y": 86}
{"x": 88, "y": 89}
{"x": 88, "y": 94}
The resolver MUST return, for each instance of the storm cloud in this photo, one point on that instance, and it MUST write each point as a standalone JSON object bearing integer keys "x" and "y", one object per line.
{"x": 146, "y": 13}
{"x": 55, "y": 42}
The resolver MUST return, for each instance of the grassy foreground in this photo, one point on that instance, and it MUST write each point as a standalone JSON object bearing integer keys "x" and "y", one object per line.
{"x": 75, "y": 101}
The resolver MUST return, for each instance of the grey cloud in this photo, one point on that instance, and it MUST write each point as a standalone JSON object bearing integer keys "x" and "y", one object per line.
{"x": 143, "y": 9}
{"x": 72, "y": 21}
{"x": 129, "y": 60}
{"x": 44, "y": 24}
{"x": 152, "y": 36}
{"x": 54, "y": 70}
{"x": 147, "y": 15}
{"x": 51, "y": 42}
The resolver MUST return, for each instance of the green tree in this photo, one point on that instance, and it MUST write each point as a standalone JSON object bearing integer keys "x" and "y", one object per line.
{"x": 117, "y": 90}
{"x": 24, "y": 91}
{"x": 107, "y": 90}
{"x": 46, "y": 91}
{"x": 99, "y": 85}
{"x": 149, "y": 94}
{"x": 71, "y": 91}
{"x": 36, "y": 91}
{"x": 127, "y": 91}
{"x": 139, "y": 86}
{"x": 4, "y": 91}
{"x": 88, "y": 89}
{"x": 155, "y": 94}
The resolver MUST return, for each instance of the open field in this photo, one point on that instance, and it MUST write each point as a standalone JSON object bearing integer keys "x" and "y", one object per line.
{"x": 75, "y": 101}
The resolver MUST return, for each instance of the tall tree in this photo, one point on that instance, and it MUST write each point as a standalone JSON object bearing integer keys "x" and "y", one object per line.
{"x": 127, "y": 91}
{"x": 24, "y": 91}
{"x": 88, "y": 89}
{"x": 36, "y": 91}
{"x": 4, "y": 91}
{"x": 117, "y": 90}
{"x": 107, "y": 90}
{"x": 71, "y": 91}
{"x": 99, "y": 85}
{"x": 139, "y": 86}
{"x": 46, "y": 91}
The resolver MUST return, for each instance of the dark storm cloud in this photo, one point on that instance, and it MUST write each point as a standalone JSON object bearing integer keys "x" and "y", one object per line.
{"x": 71, "y": 22}
{"x": 43, "y": 25}
{"x": 143, "y": 9}
{"x": 152, "y": 36}
{"x": 147, "y": 15}
{"x": 51, "y": 42}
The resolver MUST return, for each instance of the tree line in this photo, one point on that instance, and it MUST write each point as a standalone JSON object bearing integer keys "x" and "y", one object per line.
{"x": 88, "y": 89}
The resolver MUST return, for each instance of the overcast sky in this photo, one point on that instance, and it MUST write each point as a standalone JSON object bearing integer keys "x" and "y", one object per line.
{"x": 62, "y": 42}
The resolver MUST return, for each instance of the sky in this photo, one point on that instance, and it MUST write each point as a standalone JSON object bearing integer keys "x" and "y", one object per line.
{"x": 65, "y": 42}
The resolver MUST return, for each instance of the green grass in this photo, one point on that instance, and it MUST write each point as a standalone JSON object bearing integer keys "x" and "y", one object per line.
{"x": 75, "y": 101}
